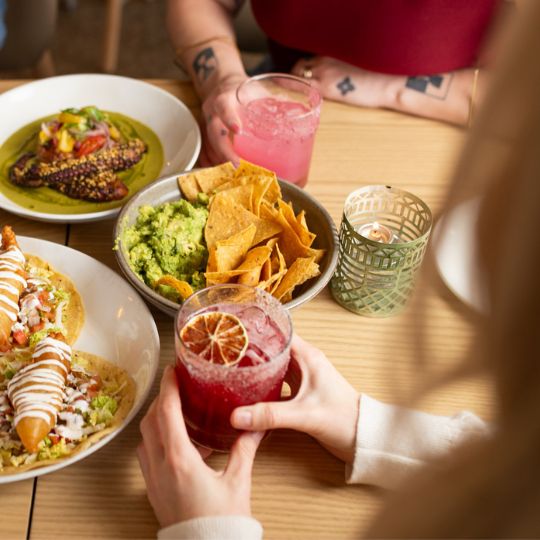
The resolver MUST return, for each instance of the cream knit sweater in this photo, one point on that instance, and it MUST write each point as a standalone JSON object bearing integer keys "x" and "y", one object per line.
{"x": 391, "y": 444}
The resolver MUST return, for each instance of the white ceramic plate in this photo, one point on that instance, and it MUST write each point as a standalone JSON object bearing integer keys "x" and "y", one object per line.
{"x": 455, "y": 254}
{"x": 118, "y": 326}
{"x": 167, "y": 116}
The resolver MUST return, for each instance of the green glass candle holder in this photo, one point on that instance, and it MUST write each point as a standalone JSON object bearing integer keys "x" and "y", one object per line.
{"x": 382, "y": 240}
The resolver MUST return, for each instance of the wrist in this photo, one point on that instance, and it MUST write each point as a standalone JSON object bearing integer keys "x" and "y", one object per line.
{"x": 391, "y": 93}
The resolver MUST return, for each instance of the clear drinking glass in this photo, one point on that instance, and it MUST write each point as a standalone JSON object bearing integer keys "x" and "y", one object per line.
{"x": 280, "y": 115}
{"x": 210, "y": 392}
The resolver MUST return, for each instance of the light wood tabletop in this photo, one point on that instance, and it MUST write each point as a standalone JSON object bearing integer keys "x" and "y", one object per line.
{"x": 298, "y": 488}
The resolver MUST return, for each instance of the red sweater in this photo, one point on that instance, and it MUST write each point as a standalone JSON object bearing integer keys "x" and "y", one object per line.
{"x": 405, "y": 37}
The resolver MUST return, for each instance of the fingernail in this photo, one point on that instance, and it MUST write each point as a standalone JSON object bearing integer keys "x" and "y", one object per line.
{"x": 243, "y": 419}
{"x": 235, "y": 128}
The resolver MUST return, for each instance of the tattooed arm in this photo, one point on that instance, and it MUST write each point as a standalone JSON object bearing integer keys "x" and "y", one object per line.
{"x": 442, "y": 96}
{"x": 214, "y": 66}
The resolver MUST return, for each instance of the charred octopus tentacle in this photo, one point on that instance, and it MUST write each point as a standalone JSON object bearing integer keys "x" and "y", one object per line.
{"x": 89, "y": 177}
{"x": 104, "y": 186}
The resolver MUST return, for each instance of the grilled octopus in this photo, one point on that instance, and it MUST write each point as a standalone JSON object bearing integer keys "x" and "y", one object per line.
{"x": 90, "y": 177}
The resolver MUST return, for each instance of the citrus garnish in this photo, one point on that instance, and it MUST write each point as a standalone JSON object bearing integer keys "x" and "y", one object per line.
{"x": 219, "y": 338}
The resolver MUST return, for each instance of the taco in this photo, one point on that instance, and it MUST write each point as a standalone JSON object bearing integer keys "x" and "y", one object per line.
{"x": 50, "y": 304}
{"x": 95, "y": 398}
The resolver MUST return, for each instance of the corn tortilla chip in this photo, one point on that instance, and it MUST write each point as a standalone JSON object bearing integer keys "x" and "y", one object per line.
{"x": 304, "y": 235}
{"x": 230, "y": 252}
{"x": 299, "y": 272}
{"x": 211, "y": 178}
{"x": 217, "y": 278}
{"x": 189, "y": 186}
{"x": 253, "y": 263}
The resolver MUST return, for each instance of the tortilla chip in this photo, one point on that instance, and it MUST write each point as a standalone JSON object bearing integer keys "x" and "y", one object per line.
{"x": 303, "y": 233}
{"x": 230, "y": 252}
{"x": 211, "y": 178}
{"x": 299, "y": 272}
{"x": 217, "y": 278}
{"x": 242, "y": 195}
{"x": 189, "y": 186}
{"x": 183, "y": 287}
{"x": 227, "y": 218}
{"x": 253, "y": 263}
{"x": 272, "y": 193}
{"x": 289, "y": 243}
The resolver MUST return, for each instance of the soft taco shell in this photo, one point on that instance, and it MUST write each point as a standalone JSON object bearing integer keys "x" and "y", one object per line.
{"x": 108, "y": 372}
{"x": 74, "y": 311}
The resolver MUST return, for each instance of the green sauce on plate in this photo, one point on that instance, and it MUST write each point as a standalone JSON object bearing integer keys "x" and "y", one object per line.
{"x": 48, "y": 200}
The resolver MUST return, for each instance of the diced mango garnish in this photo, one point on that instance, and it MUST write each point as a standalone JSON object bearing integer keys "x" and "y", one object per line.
{"x": 43, "y": 137}
{"x": 115, "y": 134}
{"x": 66, "y": 141}
{"x": 69, "y": 118}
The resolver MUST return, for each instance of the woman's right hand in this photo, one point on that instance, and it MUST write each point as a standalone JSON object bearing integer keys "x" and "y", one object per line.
{"x": 221, "y": 121}
{"x": 323, "y": 404}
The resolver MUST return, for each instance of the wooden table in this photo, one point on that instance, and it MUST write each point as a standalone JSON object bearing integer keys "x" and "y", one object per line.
{"x": 298, "y": 488}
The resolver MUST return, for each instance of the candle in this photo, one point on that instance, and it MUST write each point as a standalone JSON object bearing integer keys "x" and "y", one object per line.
{"x": 377, "y": 232}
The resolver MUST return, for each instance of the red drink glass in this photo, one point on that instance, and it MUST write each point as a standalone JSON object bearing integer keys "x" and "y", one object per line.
{"x": 210, "y": 392}
{"x": 279, "y": 115}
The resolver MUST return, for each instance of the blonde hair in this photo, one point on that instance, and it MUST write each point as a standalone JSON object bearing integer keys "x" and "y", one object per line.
{"x": 492, "y": 488}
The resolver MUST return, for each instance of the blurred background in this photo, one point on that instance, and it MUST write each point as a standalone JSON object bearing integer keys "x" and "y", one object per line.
{"x": 126, "y": 37}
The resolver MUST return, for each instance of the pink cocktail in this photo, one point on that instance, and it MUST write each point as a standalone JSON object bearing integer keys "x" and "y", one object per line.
{"x": 211, "y": 391}
{"x": 279, "y": 116}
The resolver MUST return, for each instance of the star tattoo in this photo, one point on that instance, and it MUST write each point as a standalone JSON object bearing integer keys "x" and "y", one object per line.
{"x": 346, "y": 86}
{"x": 204, "y": 64}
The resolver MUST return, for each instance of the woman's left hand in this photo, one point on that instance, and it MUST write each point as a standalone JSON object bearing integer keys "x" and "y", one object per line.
{"x": 340, "y": 81}
{"x": 180, "y": 485}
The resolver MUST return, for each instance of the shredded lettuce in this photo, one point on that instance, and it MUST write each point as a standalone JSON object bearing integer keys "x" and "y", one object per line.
{"x": 38, "y": 336}
{"x": 53, "y": 451}
{"x": 102, "y": 410}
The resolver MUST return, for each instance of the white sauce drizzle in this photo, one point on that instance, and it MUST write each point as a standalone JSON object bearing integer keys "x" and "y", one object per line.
{"x": 11, "y": 261}
{"x": 37, "y": 390}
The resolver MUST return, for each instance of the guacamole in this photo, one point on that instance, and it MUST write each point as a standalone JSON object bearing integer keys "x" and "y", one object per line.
{"x": 168, "y": 240}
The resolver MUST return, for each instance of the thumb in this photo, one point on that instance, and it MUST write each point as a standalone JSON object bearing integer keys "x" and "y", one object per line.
{"x": 243, "y": 454}
{"x": 269, "y": 415}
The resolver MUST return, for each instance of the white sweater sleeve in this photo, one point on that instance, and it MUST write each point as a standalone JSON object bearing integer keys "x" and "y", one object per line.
{"x": 393, "y": 442}
{"x": 214, "y": 528}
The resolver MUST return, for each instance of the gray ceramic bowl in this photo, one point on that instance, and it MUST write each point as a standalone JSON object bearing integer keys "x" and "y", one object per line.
{"x": 166, "y": 190}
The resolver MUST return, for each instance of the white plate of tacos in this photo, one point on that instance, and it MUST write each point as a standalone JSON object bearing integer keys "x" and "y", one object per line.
{"x": 76, "y": 364}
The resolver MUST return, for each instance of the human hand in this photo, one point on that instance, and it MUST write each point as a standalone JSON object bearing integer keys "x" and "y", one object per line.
{"x": 324, "y": 405}
{"x": 340, "y": 81}
{"x": 179, "y": 484}
{"x": 220, "y": 121}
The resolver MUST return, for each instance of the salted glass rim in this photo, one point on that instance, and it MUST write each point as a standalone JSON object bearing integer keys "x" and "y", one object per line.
{"x": 301, "y": 80}
{"x": 194, "y": 358}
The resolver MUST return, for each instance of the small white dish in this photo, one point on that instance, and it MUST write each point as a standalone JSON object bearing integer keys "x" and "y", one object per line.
{"x": 164, "y": 114}
{"x": 456, "y": 254}
{"x": 118, "y": 327}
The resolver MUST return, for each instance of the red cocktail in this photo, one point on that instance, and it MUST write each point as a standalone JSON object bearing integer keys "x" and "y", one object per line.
{"x": 212, "y": 386}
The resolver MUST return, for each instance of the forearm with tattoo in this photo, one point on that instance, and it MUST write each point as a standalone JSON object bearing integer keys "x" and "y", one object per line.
{"x": 204, "y": 65}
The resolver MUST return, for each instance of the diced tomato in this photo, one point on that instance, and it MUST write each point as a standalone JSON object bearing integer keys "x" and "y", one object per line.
{"x": 20, "y": 337}
{"x": 43, "y": 296}
{"x": 55, "y": 439}
{"x": 39, "y": 326}
{"x": 89, "y": 145}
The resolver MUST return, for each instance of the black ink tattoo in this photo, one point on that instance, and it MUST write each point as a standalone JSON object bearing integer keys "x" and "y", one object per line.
{"x": 204, "y": 64}
{"x": 435, "y": 86}
{"x": 346, "y": 86}
{"x": 208, "y": 118}
{"x": 223, "y": 132}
